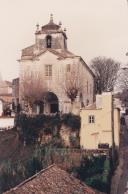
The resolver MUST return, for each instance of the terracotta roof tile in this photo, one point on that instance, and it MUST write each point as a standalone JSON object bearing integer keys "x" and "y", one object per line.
{"x": 52, "y": 180}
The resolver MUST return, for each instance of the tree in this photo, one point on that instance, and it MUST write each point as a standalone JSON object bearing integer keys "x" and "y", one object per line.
{"x": 32, "y": 88}
{"x": 106, "y": 72}
{"x": 73, "y": 85}
{"x": 123, "y": 85}
{"x": 123, "y": 79}
{"x": 123, "y": 96}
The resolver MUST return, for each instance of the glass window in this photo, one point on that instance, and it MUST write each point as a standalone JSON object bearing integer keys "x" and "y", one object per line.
{"x": 91, "y": 119}
{"x": 48, "y": 70}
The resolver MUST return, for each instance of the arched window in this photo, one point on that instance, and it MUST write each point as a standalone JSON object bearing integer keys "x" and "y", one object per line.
{"x": 49, "y": 41}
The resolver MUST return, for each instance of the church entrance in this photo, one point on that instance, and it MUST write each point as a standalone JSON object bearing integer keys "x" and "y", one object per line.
{"x": 54, "y": 108}
{"x": 51, "y": 104}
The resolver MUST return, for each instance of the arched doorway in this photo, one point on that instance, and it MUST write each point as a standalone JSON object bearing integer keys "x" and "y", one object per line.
{"x": 51, "y": 104}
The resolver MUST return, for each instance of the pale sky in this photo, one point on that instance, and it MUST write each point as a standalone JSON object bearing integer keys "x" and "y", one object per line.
{"x": 94, "y": 28}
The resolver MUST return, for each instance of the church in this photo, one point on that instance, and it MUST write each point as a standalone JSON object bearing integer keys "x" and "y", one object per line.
{"x": 58, "y": 77}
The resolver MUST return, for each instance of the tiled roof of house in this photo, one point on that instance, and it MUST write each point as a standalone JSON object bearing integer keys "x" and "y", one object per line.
{"x": 52, "y": 180}
{"x": 5, "y": 84}
{"x": 28, "y": 51}
{"x": 91, "y": 107}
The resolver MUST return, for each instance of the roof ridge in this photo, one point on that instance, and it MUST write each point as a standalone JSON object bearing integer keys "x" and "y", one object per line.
{"x": 29, "y": 46}
{"x": 31, "y": 178}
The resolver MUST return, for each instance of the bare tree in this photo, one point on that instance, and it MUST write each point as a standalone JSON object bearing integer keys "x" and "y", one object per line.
{"x": 123, "y": 79}
{"x": 32, "y": 88}
{"x": 123, "y": 85}
{"x": 73, "y": 85}
{"x": 106, "y": 72}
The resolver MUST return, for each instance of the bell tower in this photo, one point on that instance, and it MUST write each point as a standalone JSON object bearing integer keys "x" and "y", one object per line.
{"x": 51, "y": 36}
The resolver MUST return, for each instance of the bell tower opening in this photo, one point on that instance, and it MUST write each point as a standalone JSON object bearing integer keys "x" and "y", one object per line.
{"x": 51, "y": 35}
{"x": 48, "y": 41}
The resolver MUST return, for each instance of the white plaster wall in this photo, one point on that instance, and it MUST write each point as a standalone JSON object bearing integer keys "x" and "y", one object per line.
{"x": 42, "y": 37}
{"x": 101, "y": 131}
{"x": 59, "y": 68}
{"x": 6, "y": 122}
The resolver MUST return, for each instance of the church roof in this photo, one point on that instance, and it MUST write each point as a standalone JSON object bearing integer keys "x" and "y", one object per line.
{"x": 52, "y": 180}
{"x": 61, "y": 53}
{"x": 31, "y": 52}
{"x": 51, "y": 25}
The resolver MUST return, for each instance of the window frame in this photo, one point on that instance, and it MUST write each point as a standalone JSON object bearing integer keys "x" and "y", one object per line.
{"x": 49, "y": 41}
{"x": 91, "y": 119}
{"x": 48, "y": 70}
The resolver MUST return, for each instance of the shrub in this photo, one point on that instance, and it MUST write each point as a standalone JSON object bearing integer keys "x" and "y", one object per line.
{"x": 72, "y": 121}
{"x": 95, "y": 172}
{"x": 32, "y": 126}
{"x": 74, "y": 141}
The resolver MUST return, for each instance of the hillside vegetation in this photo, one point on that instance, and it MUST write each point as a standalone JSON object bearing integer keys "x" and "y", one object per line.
{"x": 40, "y": 141}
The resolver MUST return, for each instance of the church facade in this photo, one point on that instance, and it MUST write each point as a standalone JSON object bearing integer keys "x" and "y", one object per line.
{"x": 58, "y": 70}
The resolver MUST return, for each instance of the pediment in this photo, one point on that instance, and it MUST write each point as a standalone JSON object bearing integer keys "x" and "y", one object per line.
{"x": 48, "y": 55}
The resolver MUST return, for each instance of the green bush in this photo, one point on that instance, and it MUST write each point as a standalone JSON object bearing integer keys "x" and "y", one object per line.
{"x": 33, "y": 166}
{"x": 91, "y": 166}
{"x": 97, "y": 183}
{"x": 74, "y": 141}
{"x": 30, "y": 126}
{"x": 72, "y": 121}
{"x": 95, "y": 172}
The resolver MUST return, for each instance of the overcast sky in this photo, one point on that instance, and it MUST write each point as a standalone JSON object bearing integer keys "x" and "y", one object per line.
{"x": 94, "y": 28}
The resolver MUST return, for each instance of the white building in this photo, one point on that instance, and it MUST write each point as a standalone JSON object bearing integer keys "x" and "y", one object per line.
{"x": 49, "y": 56}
